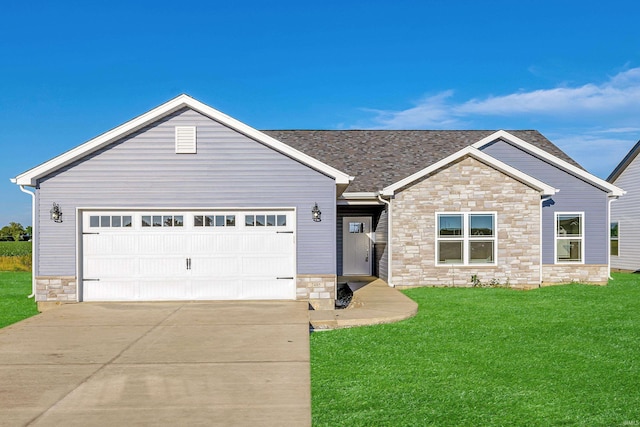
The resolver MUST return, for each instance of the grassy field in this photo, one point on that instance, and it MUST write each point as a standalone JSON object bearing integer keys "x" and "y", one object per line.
{"x": 15, "y": 256}
{"x": 564, "y": 355}
{"x": 14, "y": 304}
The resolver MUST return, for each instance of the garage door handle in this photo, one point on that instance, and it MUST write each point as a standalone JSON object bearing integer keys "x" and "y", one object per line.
{"x": 284, "y": 232}
{"x": 188, "y": 263}
{"x": 90, "y": 280}
{"x": 284, "y": 278}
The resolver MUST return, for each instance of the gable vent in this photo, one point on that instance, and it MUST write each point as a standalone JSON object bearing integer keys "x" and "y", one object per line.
{"x": 185, "y": 139}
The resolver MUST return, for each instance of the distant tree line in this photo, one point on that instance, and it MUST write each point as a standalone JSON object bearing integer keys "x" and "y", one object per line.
{"x": 16, "y": 232}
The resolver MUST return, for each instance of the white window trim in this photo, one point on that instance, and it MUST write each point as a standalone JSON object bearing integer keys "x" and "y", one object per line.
{"x": 466, "y": 239}
{"x": 581, "y": 238}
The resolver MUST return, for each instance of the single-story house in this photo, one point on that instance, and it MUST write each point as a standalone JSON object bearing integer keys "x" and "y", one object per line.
{"x": 625, "y": 226}
{"x": 187, "y": 203}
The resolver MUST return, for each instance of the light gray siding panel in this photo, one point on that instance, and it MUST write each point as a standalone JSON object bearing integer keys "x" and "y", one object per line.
{"x": 575, "y": 195}
{"x": 625, "y": 210}
{"x": 229, "y": 170}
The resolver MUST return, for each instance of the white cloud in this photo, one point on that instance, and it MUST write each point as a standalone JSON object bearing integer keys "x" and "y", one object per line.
{"x": 617, "y": 99}
{"x": 596, "y": 124}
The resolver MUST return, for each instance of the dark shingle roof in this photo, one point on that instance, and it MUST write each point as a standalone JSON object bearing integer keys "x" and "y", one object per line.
{"x": 378, "y": 158}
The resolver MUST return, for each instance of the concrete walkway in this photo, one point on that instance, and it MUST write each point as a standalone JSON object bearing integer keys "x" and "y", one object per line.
{"x": 374, "y": 302}
{"x": 151, "y": 364}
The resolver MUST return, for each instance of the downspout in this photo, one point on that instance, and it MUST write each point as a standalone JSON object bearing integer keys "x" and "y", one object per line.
{"x": 34, "y": 246}
{"x": 542, "y": 200}
{"x": 611, "y": 200}
{"x": 389, "y": 245}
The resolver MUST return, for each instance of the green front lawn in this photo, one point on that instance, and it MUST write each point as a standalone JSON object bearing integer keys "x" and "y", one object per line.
{"x": 564, "y": 355}
{"x": 14, "y": 304}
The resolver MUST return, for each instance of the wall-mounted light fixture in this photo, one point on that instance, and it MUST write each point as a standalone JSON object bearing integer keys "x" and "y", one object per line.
{"x": 316, "y": 214}
{"x": 56, "y": 213}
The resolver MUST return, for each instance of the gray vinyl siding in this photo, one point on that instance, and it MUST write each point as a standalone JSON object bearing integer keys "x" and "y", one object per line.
{"x": 575, "y": 195}
{"x": 350, "y": 211}
{"x": 229, "y": 170}
{"x": 625, "y": 210}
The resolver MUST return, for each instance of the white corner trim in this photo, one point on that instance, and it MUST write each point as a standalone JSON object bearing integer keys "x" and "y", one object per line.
{"x": 31, "y": 176}
{"x": 501, "y": 134}
{"x": 545, "y": 189}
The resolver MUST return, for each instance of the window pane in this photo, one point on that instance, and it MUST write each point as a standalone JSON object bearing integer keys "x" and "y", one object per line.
{"x": 569, "y": 225}
{"x": 126, "y": 221}
{"x": 481, "y": 225}
{"x": 356, "y": 227}
{"x": 94, "y": 221}
{"x": 282, "y": 220}
{"x": 260, "y": 220}
{"x": 569, "y": 250}
{"x": 219, "y": 220}
{"x": 198, "y": 221}
{"x": 209, "y": 220}
{"x": 231, "y": 220}
{"x": 146, "y": 221}
{"x": 450, "y": 225}
{"x": 178, "y": 220}
{"x": 271, "y": 220}
{"x": 450, "y": 252}
{"x": 249, "y": 220}
{"x": 116, "y": 221}
{"x": 614, "y": 229}
{"x": 157, "y": 221}
{"x": 167, "y": 221}
{"x": 480, "y": 252}
{"x": 614, "y": 247}
{"x": 105, "y": 221}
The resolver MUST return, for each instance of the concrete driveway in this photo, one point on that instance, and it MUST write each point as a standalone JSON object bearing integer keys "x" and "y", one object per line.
{"x": 176, "y": 363}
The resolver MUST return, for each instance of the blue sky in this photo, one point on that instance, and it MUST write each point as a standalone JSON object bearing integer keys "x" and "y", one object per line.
{"x": 70, "y": 71}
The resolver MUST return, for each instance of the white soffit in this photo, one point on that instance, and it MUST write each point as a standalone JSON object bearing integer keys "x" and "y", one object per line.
{"x": 470, "y": 151}
{"x": 581, "y": 173}
{"x": 31, "y": 176}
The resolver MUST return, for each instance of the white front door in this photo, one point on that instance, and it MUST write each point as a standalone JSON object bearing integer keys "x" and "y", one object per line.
{"x": 356, "y": 246}
{"x": 188, "y": 255}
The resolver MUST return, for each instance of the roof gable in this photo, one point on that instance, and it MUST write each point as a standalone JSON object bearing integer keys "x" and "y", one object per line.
{"x": 31, "y": 176}
{"x": 471, "y": 151}
{"x": 560, "y": 163}
{"x": 624, "y": 164}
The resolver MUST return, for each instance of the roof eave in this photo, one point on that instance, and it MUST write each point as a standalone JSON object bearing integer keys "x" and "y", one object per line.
{"x": 31, "y": 176}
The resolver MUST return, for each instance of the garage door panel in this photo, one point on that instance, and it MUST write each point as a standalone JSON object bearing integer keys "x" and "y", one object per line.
{"x": 214, "y": 289}
{"x": 259, "y": 288}
{"x": 211, "y": 260}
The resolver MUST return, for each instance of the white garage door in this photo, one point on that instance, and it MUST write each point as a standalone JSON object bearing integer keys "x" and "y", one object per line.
{"x": 191, "y": 255}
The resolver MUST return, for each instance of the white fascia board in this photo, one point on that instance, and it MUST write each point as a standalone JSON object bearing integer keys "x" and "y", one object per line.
{"x": 359, "y": 198}
{"x": 581, "y": 173}
{"x": 545, "y": 189}
{"x": 30, "y": 177}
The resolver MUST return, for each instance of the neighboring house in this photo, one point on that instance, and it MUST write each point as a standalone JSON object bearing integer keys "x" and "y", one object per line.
{"x": 186, "y": 203}
{"x": 625, "y": 226}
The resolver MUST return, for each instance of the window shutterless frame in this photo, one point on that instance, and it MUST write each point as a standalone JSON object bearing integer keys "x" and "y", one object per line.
{"x": 569, "y": 244}
{"x": 614, "y": 238}
{"x": 466, "y": 239}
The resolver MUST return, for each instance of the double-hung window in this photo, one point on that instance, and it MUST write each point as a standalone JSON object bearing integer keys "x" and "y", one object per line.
{"x": 466, "y": 238}
{"x": 614, "y": 247}
{"x": 569, "y": 237}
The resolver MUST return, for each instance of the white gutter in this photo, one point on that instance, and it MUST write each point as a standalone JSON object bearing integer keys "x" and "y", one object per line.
{"x": 389, "y": 245}
{"x": 34, "y": 246}
{"x": 542, "y": 200}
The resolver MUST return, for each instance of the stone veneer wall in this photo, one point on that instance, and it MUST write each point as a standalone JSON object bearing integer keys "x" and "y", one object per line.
{"x": 556, "y": 274}
{"x": 56, "y": 288}
{"x": 466, "y": 186}
{"x": 318, "y": 289}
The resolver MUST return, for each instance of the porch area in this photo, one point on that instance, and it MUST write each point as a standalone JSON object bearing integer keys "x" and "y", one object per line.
{"x": 374, "y": 302}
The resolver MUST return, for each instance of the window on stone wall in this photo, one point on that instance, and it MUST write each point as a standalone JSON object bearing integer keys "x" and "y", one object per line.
{"x": 569, "y": 237}
{"x": 613, "y": 247}
{"x": 467, "y": 238}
